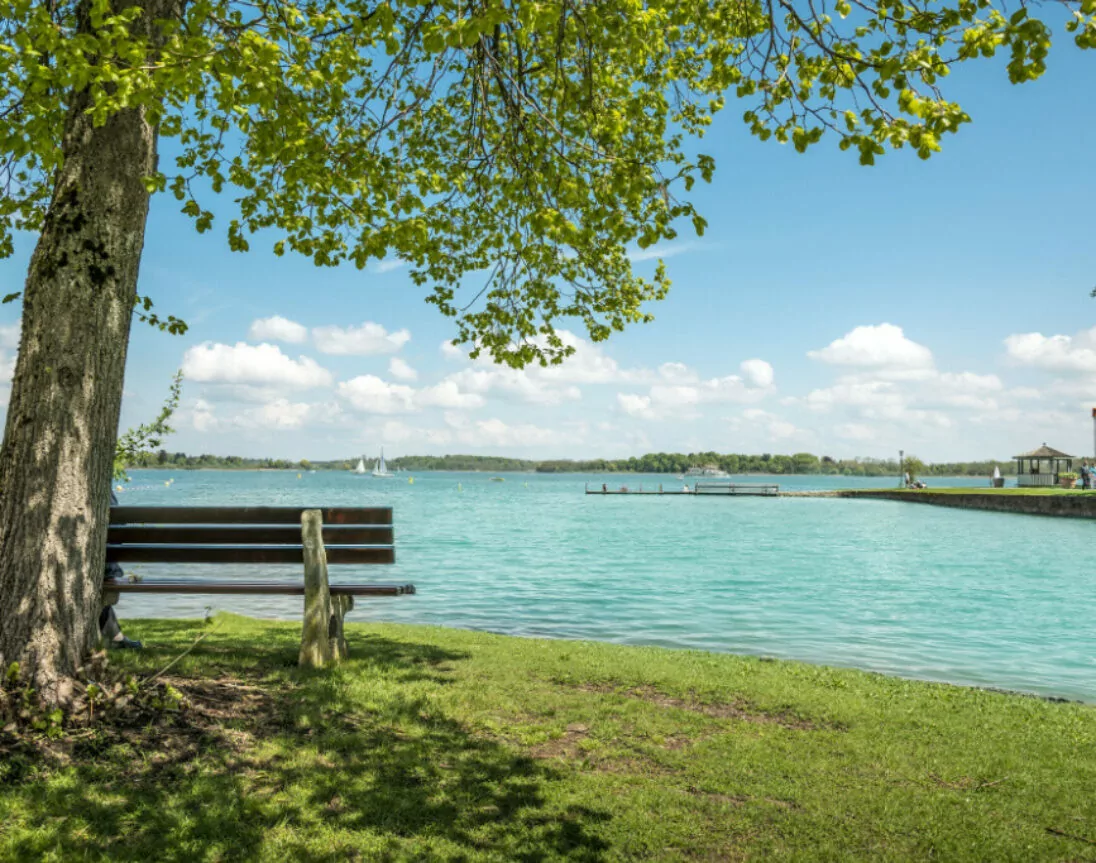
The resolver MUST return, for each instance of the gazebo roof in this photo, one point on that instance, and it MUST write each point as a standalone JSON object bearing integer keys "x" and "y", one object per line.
{"x": 1044, "y": 452}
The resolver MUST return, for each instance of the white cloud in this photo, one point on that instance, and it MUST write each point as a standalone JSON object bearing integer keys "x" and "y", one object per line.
{"x": 399, "y": 432}
{"x": 962, "y": 390}
{"x": 401, "y": 370}
{"x": 635, "y": 405}
{"x": 9, "y": 336}
{"x": 370, "y": 394}
{"x": 855, "y": 431}
{"x": 447, "y": 395}
{"x": 451, "y": 351}
{"x": 731, "y": 388}
{"x": 199, "y": 415}
{"x": 587, "y": 365}
{"x": 223, "y": 393}
{"x": 881, "y": 346}
{"x": 389, "y": 264}
{"x": 368, "y": 339}
{"x": 522, "y": 384}
{"x": 678, "y": 390}
{"x": 758, "y": 373}
{"x": 1069, "y": 354}
{"x": 770, "y": 425}
{"x": 662, "y": 251}
{"x": 234, "y": 418}
{"x": 900, "y": 398}
{"x": 242, "y": 363}
{"x": 7, "y": 372}
{"x": 496, "y": 433}
{"x": 677, "y": 373}
{"x": 856, "y": 394}
{"x": 282, "y": 413}
{"x": 277, "y": 329}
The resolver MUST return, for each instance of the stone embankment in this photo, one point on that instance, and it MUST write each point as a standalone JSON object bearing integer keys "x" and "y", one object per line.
{"x": 1064, "y": 505}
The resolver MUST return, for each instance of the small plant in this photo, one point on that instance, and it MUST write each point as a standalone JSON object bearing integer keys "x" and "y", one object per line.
{"x": 1069, "y": 475}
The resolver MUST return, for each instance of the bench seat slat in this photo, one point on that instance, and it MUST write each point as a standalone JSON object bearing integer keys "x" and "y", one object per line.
{"x": 244, "y": 535}
{"x": 255, "y": 587}
{"x": 244, "y": 554}
{"x": 245, "y": 515}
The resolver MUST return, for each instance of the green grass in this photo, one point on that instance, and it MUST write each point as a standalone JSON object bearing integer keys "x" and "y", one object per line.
{"x": 436, "y": 744}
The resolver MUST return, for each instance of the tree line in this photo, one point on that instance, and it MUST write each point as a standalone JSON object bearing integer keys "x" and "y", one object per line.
{"x": 651, "y": 463}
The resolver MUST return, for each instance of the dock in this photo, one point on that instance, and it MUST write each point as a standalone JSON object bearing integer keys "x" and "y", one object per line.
{"x": 709, "y": 488}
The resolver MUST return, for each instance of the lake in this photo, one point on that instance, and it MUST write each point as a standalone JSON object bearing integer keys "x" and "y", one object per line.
{"x": 980, "y": 598}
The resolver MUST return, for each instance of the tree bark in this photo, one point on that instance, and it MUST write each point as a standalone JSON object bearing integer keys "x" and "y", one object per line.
{"x": 62, "y": 422}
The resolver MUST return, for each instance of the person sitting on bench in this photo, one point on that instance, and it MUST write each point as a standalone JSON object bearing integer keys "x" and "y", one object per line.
{"x": 109, "y": 628}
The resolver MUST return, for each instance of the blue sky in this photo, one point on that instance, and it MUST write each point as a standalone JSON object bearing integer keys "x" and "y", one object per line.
{"x": 940, "y": 307}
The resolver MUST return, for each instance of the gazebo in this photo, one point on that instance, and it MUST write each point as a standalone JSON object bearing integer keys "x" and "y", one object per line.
{"x": 1042, "y": 466}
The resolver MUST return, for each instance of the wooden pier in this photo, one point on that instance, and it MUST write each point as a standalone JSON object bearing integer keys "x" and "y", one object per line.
{"x": 702, "y": 489}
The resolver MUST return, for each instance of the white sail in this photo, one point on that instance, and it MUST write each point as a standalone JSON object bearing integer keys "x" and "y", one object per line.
{"x": 361, "y": 466}
{"x": 380, "y": 468}
{"x": 996, "y": 473}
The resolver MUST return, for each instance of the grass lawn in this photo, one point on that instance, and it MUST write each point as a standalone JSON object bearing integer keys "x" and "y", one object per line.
{"x": 437, "y": 744}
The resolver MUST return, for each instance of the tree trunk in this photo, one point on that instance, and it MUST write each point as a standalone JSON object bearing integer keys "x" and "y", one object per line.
{"x": 62, "y": 422}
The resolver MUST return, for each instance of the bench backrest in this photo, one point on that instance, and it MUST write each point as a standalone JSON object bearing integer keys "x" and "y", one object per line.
{"x": 245, "y": 534}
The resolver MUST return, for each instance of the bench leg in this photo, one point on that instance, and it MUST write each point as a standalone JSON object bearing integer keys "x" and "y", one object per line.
{"x": 340, "y": 605}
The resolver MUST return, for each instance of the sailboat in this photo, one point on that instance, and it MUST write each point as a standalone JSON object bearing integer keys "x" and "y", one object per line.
{"x": 361, "y": 466}
{"x": 380, "y": 469}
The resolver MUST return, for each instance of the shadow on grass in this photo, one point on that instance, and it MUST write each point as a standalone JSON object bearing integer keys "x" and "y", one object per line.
{"x": 281, "y": 765}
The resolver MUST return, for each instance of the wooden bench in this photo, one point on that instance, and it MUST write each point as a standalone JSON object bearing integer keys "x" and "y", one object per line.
{"x": 260, "y": 535}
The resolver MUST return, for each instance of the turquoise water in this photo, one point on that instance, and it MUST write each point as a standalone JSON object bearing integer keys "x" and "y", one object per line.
{"x": 919, "y": 591}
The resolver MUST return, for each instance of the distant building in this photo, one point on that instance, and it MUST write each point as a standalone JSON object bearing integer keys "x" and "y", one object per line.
{"x": 1042, "y": 466}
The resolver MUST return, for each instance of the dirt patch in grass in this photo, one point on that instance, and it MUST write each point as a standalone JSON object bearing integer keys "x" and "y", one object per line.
{"x": 725, "y": 710}
{"x": 223, "y": 712}
{"x": 739, "y": 799}
{"x": 633, "y": 762}
{"x": 566, "y": 746}
{"x": 966, "y": 783}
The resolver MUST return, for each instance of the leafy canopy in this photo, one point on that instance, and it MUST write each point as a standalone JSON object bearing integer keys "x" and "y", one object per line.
{"x": 509, "y": 150}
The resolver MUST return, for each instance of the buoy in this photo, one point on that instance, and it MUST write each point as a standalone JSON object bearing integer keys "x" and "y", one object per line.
{"x": 410, "y": 480}
{"x": 298, "y": 476}
{"x": 167, "y": 482}
{"x": 120, "y": 488}
{"x": 460, "y": 487}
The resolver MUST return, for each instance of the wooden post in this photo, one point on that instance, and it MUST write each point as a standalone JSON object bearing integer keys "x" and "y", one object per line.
{"x": 316, "y": 635}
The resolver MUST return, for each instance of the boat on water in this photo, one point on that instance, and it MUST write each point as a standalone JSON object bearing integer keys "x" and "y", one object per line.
{"x": 361, "y": 466}
{"x": 709, "y": 471}
{"x": 380, "y": 469}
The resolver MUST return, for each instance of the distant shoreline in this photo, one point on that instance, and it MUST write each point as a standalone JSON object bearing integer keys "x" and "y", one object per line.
{"x": 525, "y": 472}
